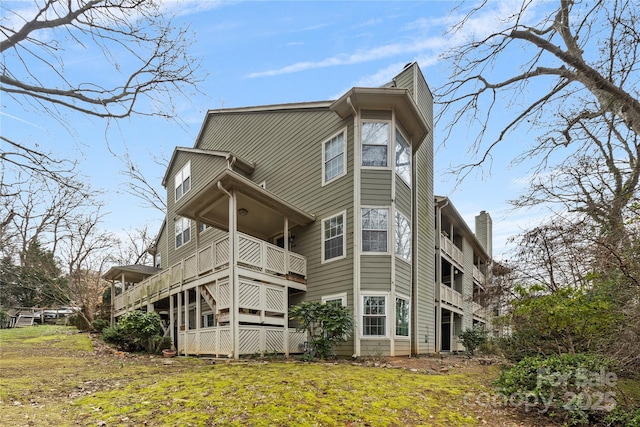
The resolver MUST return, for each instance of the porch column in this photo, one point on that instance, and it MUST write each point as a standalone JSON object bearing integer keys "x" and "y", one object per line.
{"x": 171, "y": 321}
{"x": 185, "y": 313}
{"x": 286, "y": 288}
{"x": 179, "y": 313}
{"x": 452, "y": 320}
{"x": 233, "y": 274}
{"x": 198, "y": 319}
{"x": 112, "y": 317}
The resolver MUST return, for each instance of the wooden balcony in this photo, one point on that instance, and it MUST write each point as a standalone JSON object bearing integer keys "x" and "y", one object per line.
{"x": 452, "y": 250}
{"x": 255, "y": 256}
{"x": 479, "y": 311}
{"x": 479, "y": 276}
{"x": 451, "y": 296}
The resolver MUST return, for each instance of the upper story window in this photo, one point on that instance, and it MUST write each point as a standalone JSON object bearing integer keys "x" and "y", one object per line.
{"x": 202, "y": 227}
{"x": 334, "y": 157}
{"x": 375, "y": 226}
{"x": 403, "y": 237}
{"x": 183, "y": 231}
{"x": 183, "y": 181}
{"x": 333, "y": 237}
{"x": 403, "y": 158}
{"x": 375, "y": 144}
{"x": 157, "y": 261}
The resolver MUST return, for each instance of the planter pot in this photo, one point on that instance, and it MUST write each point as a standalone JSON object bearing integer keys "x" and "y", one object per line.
{"x": 168, "y": 353}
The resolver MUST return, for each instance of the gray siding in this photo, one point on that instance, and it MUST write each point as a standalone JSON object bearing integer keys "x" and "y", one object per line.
{"x": 376, "y": 115}
{"x": 403, "y": 197}
{"x": 423, "y": 255}
{"x": 287, "y": 149}
{"x": 376, "y": 187}
{"x": 375, "y": 273}
{"x": 374, "y": 347}
{"x": 403, "y": 277}
{"x": 402, "y": 348}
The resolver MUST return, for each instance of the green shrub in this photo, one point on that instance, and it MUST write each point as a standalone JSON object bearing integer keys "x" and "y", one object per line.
{"x": 98, "y": 325}
{"x": 135, "y": 331}
{"x": 577, "y": 387}
{"x": 326, "y": 324}
{"x": 621, "y": 417}
{"x": 473, "y": 338}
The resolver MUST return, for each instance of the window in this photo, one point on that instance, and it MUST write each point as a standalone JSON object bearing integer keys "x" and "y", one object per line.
{"x": 403, "y": 158}
{"x": 374, "y": 229}
{"x": 157, "y": 261}
{"x": 402, "y": 317}
{"x": 333, "y": 157}
{"x": 339, "y": 299}
{"x": 202, "y": 227}
{"x": 333, "y": 237}
{"x": 403, "y": 237}
{"x": 183, "y": 231}
{"x": 375, "y": 142}
{"x": 374, "y": 316}
{"x": 208, "y": 320}
{"x": 183, "y": 181}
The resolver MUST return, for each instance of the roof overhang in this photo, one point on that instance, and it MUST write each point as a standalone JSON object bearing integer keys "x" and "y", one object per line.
{"x": 398, "y": 100}
{"x": 235, "y": 161}
{"x": 131, "y": 273}
{"x": 263, "y": 210}
{"x": 454, "y": 217}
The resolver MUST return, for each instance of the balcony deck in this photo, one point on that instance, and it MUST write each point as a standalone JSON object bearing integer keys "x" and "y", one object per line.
{"x": 451, "y": 297}
{"x": 257, "y": 259}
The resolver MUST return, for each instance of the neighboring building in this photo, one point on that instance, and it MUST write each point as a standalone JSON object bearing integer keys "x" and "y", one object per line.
{"x": 326, "y": 201}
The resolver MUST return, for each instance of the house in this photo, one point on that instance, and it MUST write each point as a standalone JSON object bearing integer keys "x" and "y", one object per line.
{"x": 328, "y": 201}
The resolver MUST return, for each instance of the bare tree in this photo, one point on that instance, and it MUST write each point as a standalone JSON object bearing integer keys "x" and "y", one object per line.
{"x": 142, "y": 56}
{"x": 580, "y": 55}
{"x": 142, "y": 186}
{"x": 132, "y": 248}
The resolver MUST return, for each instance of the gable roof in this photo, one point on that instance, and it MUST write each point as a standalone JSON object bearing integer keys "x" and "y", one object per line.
{"x": 235, "y": 162}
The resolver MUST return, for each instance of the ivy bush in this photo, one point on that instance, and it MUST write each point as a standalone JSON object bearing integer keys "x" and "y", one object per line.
{"x": 326, "y": 324}
{"x": 472, "y": 338}
{"x": 135, "y": 331}
{"x": 576, "y": 387}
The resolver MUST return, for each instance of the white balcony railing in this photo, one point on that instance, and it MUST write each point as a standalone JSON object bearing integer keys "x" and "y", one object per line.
{"x": 479, "y": 310}
{"x": 478, "y": 276}
{"x": 253, "y": 253}
{"x": 451, "y": 296}
{"x": 451, "y": 249}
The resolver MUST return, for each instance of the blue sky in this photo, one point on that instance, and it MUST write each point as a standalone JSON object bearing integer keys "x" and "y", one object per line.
{"x": 268, "y": 52}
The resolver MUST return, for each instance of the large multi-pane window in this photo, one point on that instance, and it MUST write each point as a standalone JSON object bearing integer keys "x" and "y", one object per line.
{"x": 333, "y": 237}
{"x": 375, "y": 144}
{"x": 374, "y": 315}
{"x": 403, "y": 158}
{"x": 403, "y": 237}
{"x": 183, "y": 181}
{"x": 402, "y": 317}
{"x": 183, "y": 231}
{"x": 333, "y": 157}
{"x": 375, "y": 225}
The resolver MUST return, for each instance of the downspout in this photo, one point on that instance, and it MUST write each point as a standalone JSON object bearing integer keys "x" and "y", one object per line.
{"x": 356, "y": 227}
{"x": 438, "y": 328}
{"x": 233, "y": 280}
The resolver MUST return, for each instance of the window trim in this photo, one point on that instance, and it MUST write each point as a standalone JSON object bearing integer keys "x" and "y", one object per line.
{"x": 365, "y": 294}
{"x": 390, "y": 139}
{"x": 341, "y": 296}
{"x": 395, "y": 237}
{"x": 181, "y": 220}
{"x": 344, "y": 133}
{"x": 395, "y": 317}
{"x": 362, "y": 251}
{"x": 395, "y": 166}
{"x": 180, "y": 174}
{"x": 344, "y": 237}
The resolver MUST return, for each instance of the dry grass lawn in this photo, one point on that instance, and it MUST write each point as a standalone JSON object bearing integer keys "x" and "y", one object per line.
{"x": 56, "y": 376}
